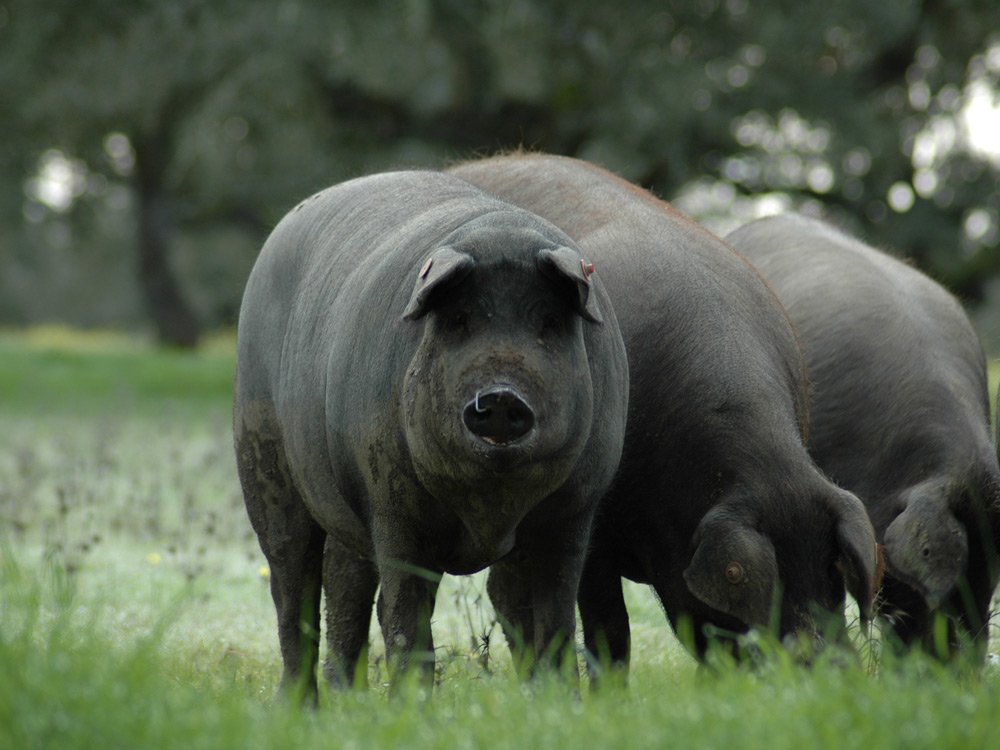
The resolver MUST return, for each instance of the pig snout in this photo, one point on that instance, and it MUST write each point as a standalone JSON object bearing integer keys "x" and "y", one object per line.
{"x": 498, "y": 415}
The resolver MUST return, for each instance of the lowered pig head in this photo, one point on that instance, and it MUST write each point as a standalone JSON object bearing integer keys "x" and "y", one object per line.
{"x": 498, "y": 400}
{"x": 734, "y": 568}
{"x": 785, "y": 570}
{"x": 925, "y": 545}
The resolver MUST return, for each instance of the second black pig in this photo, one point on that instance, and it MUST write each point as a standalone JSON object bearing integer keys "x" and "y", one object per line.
{"x": 717, "y": 503}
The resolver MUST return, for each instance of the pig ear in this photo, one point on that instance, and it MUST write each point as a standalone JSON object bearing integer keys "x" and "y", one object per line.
{"x": 443, "y": 266}
{"x": 859, "y": 558}
{"x": 734, "y": 568}
{"x": 566, "y": 263}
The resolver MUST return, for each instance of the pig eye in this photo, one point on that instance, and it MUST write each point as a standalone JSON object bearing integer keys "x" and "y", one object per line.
{"x": 457, "y": 320}
{"x": 551, "y": 323}
{"x": 735, "y": 573}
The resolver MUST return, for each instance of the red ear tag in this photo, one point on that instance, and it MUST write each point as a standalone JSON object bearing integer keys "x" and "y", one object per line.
{"x": 426, "y": 269}
{"x": 588, "y": 268}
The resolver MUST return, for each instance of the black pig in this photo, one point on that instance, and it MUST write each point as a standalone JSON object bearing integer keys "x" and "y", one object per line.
{"x": 717, "y": 503}
{"x": 428, "y": 380}
{"x": 900, "y": 415}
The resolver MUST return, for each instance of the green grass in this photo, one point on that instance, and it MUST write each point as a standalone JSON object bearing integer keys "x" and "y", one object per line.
{"x": 134, "y": 606}
{"x": 53, "y": 370}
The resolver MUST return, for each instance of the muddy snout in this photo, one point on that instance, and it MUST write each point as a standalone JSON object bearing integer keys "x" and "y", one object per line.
{"x": 498, "y": 415}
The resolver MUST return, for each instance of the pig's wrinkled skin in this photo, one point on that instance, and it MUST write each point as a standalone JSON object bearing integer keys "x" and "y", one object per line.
{"x": 900, "y": 416}
{"x": 717, "y": 503}
{"x": 428, "y": 381}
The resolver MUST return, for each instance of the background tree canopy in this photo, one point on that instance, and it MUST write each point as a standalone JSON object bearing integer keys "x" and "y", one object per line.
{"x": 148, "y": 147}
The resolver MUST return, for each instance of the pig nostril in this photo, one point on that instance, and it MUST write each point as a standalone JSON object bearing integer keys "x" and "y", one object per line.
{"x": 498, "y": 416}
{"x": 520, "y": 418}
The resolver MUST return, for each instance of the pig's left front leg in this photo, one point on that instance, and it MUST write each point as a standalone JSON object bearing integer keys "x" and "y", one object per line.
{"x": 535, "y": 589}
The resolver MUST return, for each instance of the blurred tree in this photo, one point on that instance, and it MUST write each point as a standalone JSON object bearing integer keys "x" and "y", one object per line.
{"x": 853, "y": 108}
{"x": 175, "y": 99}
{"x": 221, "y": 114}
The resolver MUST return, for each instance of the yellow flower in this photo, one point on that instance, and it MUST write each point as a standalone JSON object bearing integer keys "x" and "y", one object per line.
{"x": 264, "y": 572}
{"x": 153, "y": 558}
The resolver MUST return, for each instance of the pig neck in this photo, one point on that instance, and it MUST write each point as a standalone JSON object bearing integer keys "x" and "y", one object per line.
{"x": 779, "y": 479}
{"x": 473, "y": 551}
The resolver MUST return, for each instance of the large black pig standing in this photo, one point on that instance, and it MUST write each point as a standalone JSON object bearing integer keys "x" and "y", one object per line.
{"x": 717, "y": 503}
{"x": 900, "y": 416}
{"x": 428, "y": 380}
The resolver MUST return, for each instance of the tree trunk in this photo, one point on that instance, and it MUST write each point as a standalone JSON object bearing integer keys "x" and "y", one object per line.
{"x": 176, "y": 323}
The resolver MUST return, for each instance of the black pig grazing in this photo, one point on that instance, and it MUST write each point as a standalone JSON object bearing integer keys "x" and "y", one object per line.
{"x": 717, "y": 503}
{"x": 428, "y": 380}
{"x": 900, "y": 415}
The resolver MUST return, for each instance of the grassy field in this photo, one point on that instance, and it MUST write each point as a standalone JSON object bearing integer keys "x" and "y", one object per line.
{"x": 134, "y": 606}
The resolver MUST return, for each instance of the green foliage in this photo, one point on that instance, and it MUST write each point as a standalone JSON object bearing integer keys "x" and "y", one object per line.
{"x": 233, "y": 111}
{"x": 52, "y": 370}
{"x": 68, "y": 684}
{"x": 136, "y": 610}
